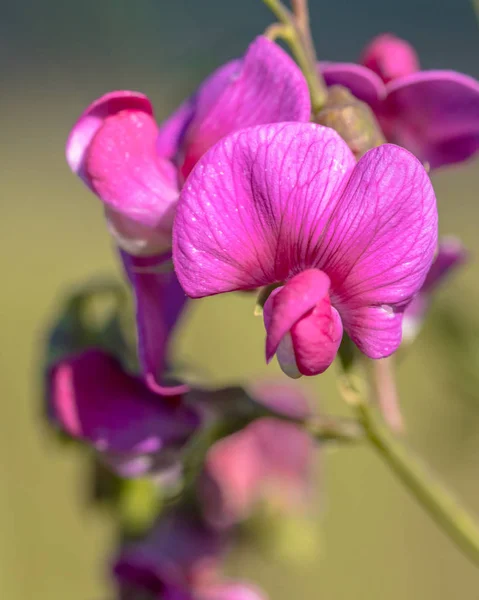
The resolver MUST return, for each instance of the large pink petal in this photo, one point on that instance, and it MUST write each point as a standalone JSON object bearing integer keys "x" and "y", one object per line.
{"x": 129, "y": 177}
{"x": 361, "y": 81}
{"x": 379, "y": 246}
{"x": 265, "y": 87}
{"x": 253, "y": 210}
{"x": 159, "y": 301}
{"x": 92, "y": 119}
{"x": 435, "y": 114}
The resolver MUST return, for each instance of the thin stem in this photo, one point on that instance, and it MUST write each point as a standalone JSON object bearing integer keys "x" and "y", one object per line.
{"x": 438, "y": 501}
{"x": 301, "y": 14}
{"x": 335, "y": 429}
{"x": 299, "y": 47}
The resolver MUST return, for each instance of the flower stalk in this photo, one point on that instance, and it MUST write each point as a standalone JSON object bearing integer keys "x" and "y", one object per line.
{"x": 436, "y": 499}
{"x": 297, "y": 35}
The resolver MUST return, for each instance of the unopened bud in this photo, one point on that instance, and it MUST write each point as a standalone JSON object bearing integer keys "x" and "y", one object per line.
{"x": 352, "y": 119}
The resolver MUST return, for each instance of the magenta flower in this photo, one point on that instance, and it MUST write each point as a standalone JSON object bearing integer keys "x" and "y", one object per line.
{"x": 434, "y": 114}
{"x": 179, "y": 560}
{"x": 136, "y": 432}
{"x": 451, "y": 254}
{"x": 349, "y": 243}
{"x": 137, "y": 169}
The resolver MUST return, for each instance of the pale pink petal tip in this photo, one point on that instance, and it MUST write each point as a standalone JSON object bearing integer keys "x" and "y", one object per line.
{"x": 92, "y": 119}
{"x": 390, "y": 57}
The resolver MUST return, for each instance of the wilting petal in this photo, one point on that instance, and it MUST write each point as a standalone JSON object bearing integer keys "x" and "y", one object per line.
{"x": 362, "y": 82}
{"x": 269, "y": 459}
{"x": 379, "y": 246}
{"x": 159, "y": 301}
{"x": 92, "y": 119}
{"x": 451, "y": 254}
{"x": 390, "y": 57}
{"x": 303, "y": 309}
{"x": 138, "y": 187}
{"x": 93, "y": 399}
{"x": 265, "y": 87}
{"x": 435, "y": 114}
{"x": 253, "y": 210}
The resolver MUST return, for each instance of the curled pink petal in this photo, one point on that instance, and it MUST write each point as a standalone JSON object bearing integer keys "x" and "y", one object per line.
{"x": 435, "y": 114}
{"x": 361, "y": 81}
{"x": 92, "y": 119}
{"x": 95, "y": 400}
{"x": 159, "y": 301}
{"x": 254, "y": 209}
{"x": 129, "y": 177}
{"x": 302, "y": 309}
{"x": 390, "y": 57}
{"x": 265, "y": 87}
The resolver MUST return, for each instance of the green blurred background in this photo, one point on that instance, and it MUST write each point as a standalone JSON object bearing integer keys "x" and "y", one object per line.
{"x": 56, "y": 56}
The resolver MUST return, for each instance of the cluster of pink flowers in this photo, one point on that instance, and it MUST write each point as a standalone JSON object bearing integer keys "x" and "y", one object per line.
{"x": 239, "y": 191}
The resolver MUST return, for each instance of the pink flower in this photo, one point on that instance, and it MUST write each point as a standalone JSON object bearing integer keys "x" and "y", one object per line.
{"x": 269, "y": 460}
{"x": 350, "y": 243}
{"x": 434, "y": 114}
{"x": 94, "y": 400}
{"x": 451, "y": 254}
{"x": 180, "y": 559}
{"x": 136, "y": 168}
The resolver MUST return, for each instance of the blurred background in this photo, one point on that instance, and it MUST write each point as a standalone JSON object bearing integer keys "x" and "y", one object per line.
{"x": 56, "y": 57}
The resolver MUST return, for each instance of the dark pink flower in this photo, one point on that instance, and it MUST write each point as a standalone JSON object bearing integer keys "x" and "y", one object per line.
{"x": 451, "y": 254}
{"x": 93, "y": 399}
{"x": 350, "y": 243}
{"x": 136, "y": 168}
{"x": 179, "y": 560}
{"x": 434, "y": 114}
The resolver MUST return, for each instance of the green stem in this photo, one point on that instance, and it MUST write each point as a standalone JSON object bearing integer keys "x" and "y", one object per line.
{"x": 307, "y": 63}
{"x": 438, "y": 501}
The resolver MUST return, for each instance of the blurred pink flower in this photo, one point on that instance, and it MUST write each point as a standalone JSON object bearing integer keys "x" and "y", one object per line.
{"x": 93, "y": 399}
{"x": 179, "y": 560}
{"x": 350, "y": 243}
{"x": 434, "y": 114}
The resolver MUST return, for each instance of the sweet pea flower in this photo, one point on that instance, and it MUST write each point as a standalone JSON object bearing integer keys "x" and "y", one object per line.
{"x": 451, "y": 254}
{"x": 178, "y": 560}
{"x": 349, "y": 243}
{"x": 434, "y": 114}
{"x": 136, "y": 432}
{"x": 137, "y": 169}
